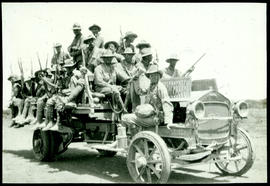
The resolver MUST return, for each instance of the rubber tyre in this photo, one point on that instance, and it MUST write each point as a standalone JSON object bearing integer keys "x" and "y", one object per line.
{"x": 154, "y": 141}
{"x": 43, "y": 145}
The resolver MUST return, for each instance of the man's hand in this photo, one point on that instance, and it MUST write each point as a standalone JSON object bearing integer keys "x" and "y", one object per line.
{"x": 171, "y": 125}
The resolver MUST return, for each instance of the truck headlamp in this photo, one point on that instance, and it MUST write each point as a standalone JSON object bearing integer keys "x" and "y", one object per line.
{"x": 241, "y": 108}
{"x": 197, "y": 109}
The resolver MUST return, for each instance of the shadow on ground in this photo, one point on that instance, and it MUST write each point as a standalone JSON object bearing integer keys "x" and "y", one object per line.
{"x": 113, "y": 169}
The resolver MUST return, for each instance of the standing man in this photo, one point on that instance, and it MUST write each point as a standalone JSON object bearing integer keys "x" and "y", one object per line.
{"x": 99, "y": 41}
{"x": 75, "y": 48}
{"x": 59, "y": 56}
{"x": 170, "y": 71}
{"x": 125, "y": 71}
{"x": 141, "y": 45}
{"x": 127, "y": 41}
{"x": 91, "y": 54}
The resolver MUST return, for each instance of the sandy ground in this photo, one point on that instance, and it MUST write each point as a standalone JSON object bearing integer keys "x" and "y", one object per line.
{"x": 79, "y": 164}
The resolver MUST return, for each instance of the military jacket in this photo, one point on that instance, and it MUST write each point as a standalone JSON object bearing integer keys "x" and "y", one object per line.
{"x": 59, "y": 58}
{"x": 157, "y": 96}
{"x": 104, "y": 76}
{"x": 168, "y": 73}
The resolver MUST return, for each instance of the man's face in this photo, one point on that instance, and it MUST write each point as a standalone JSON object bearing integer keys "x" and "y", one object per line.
{"x": 94, "y": 30}
{"x": 76, "y": 31}
{"x": 128, "y": 57}
{"x": 172, "y": 62}
{"x": 107, "y": 60}
{"x": 58, "y": 49}
{"x": 147, "y": 59}
{"x": 112, "y": 47}
{"x": 154, "y": 77}
{"x": 130, "y": 39}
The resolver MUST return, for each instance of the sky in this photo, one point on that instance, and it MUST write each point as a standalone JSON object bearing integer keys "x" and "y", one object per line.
{"x": 233, "y": 36}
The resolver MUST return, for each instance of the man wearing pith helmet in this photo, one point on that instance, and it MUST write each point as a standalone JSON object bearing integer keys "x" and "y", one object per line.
{"x": 90, "y": 53}
{"x": 171, "y": 71}
{"x": 157, "y": 103}
{"x": 127, "y": 41}
{"x": 105, "y": 78}
{"x": 141, "y": 46}
{"x": 99, "y": 41}
{"x": 59, "y": 56}
{"x": 75, "y": 48}
{"x": 125, "y": 71}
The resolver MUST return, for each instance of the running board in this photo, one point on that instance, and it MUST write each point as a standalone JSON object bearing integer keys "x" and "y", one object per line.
{"x": 193, "y": 157}
{"x": 106, "y": 148}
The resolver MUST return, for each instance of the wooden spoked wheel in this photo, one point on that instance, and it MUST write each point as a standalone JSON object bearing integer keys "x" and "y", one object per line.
{"x": 148, "y": 159}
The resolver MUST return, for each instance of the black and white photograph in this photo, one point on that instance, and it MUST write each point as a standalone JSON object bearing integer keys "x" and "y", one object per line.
{"x": 134, "y": 92}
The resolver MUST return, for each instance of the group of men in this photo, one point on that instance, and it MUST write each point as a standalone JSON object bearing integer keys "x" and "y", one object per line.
{"x": 90, "y": 70}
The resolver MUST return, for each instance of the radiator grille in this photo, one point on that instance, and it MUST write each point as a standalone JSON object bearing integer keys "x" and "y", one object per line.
{"x": 216, "y": 110}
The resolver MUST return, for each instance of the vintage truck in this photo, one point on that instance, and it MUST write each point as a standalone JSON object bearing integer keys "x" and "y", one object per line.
{"x": 207, "y": 131}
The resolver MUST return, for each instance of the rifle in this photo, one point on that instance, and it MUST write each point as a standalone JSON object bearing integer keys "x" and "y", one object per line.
{"x": 157, "y": 56}
{"x": 190, "y": 69}
{"x": 122, "y": 39}
{"x": 47, "y": 60}
{"x": 39, "y": 62}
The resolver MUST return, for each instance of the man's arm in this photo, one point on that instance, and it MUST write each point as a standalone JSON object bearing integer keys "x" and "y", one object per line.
{"x": 166, "y": 104}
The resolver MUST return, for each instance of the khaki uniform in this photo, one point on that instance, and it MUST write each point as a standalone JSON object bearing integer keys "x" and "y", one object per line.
{"x": 104, "y": 78}
{"x": 168, "y": 73}
{"x": 59, "y": 58}
{"x": 99, "y": 41}
{"x": 158, "y": 97}
{"x": 78, "y": 44}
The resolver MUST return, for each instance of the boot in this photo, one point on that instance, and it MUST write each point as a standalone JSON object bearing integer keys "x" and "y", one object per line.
{"x": 19, "y": 104}
{"x": 22, "y": 118}
{"x": 56, "y": 127}
{"x": 49, "y": 117}
{"x": 30, "y": 117}
{"x": 39, "y": 118}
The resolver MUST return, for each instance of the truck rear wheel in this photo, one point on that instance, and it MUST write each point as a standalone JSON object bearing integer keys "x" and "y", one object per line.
{"x": 43, "y": 146}
{"x": 148, "y": 158}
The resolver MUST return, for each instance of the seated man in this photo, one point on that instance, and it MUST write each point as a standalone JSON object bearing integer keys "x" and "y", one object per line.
{"x": 105, "y": 78}
{"x": 125, "y": 71}
{"x": 16, "y": 102}
{"x": 157, "y": 97}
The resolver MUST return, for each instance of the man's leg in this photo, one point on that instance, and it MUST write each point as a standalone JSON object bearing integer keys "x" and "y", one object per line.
{"x": 48, "y": 123}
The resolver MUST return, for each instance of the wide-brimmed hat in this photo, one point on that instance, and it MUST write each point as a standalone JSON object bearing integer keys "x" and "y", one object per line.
{"x": 143, "y": 43}
{"x": 172, "y": 57}
{"x": 76, "y": 26}
{"x": 106, "y": 46}
{"x": 68, "y": 63}
{"x": 146, "y": 52}
{"x": 130, "y": 34}
{"x": 129, "y": 51}
{"x": 93, "y": 26}
{"x": 57, "y": 45}
{"x": 154, "y": 69}
{"x": 90, "y": 37}
{"x": 13, "y": 77}
{"x": 107, "y": 53}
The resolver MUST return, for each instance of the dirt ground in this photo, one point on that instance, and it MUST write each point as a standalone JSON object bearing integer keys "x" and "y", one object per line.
{"x": 79, "y": 164}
